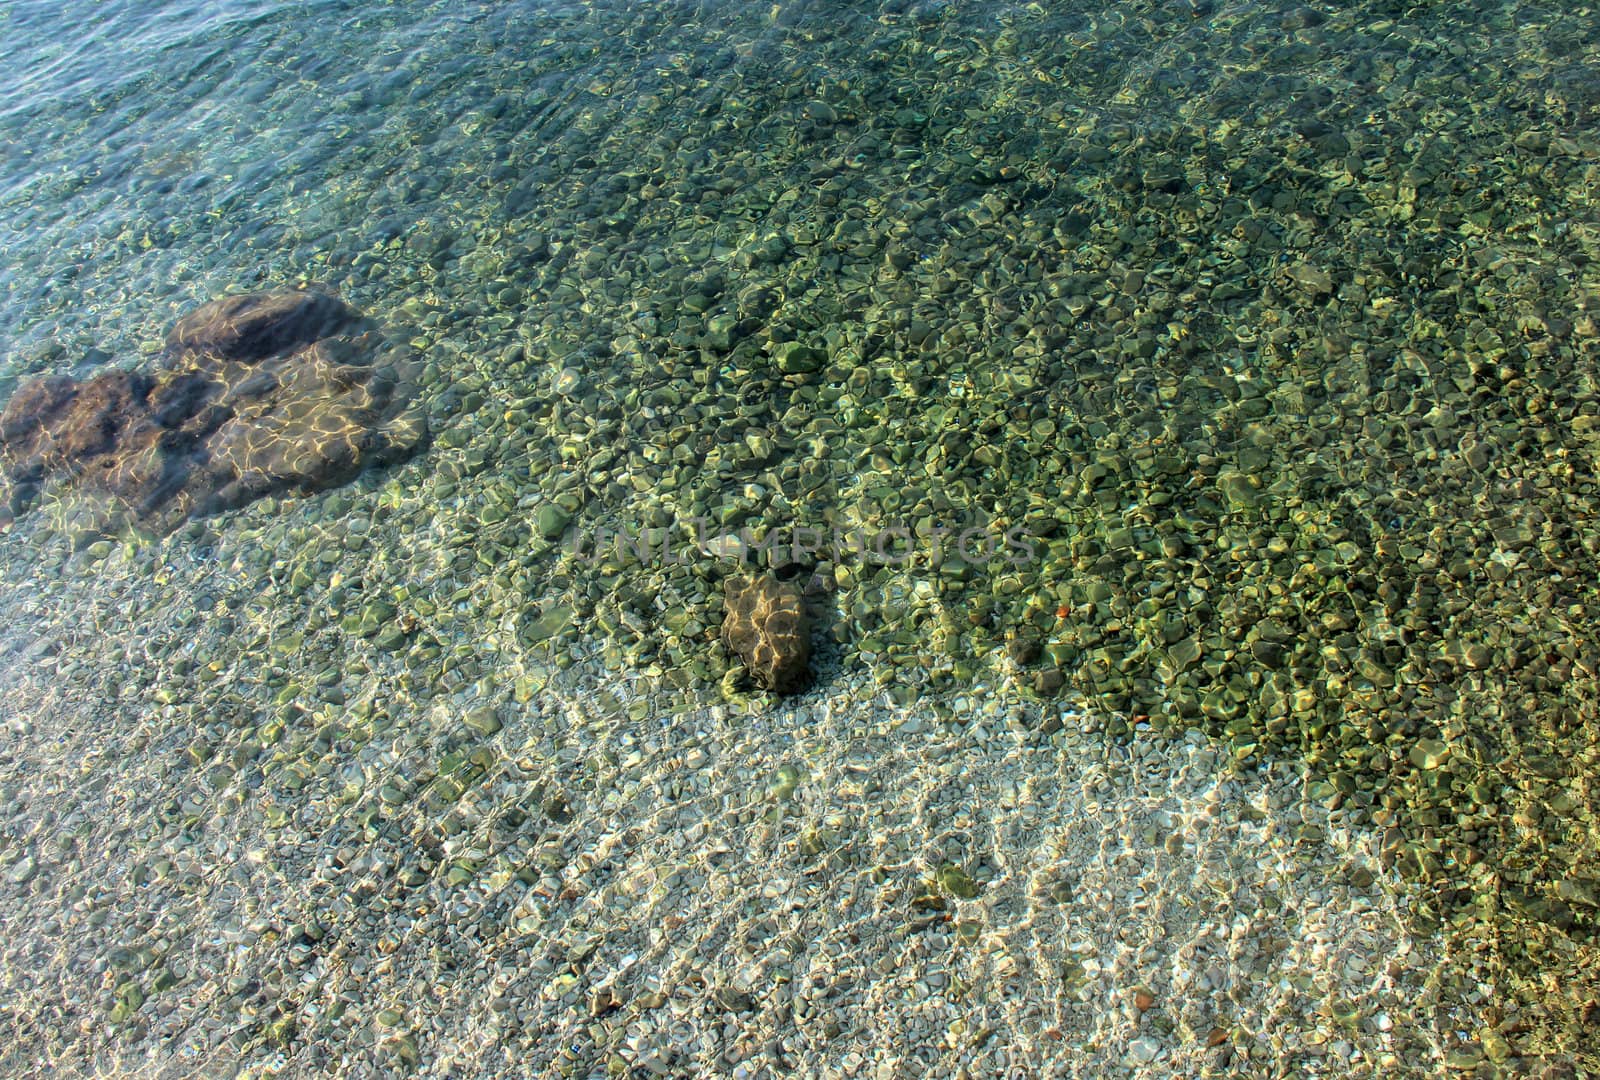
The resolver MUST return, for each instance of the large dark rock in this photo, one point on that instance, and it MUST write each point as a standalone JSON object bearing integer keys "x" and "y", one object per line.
{"x": 765, "y": 624}
{"x": 251, "y": 326}
{"x": 255, "y": 394}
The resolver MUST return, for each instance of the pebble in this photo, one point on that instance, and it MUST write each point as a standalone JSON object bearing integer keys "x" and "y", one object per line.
{"x": 551, "y": 521}
{"x": 482, "y": 720}
{"x": 1142, "y": 1050}
{"x": 21, "y": 872}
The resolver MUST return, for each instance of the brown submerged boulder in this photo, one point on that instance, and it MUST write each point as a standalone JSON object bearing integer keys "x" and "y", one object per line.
{"x": 254, "y": 325}
{"x": 256, "y": 393}
{"x": 765, "y": 624}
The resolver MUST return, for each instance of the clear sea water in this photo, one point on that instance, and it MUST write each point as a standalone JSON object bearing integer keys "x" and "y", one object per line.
{"x": 1275, "y": 323}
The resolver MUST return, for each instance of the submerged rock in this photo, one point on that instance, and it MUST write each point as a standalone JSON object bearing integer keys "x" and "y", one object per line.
{"x": 765, "y": 625}
{"x": 256, "y": 393}
{"x": 252, "y": 326}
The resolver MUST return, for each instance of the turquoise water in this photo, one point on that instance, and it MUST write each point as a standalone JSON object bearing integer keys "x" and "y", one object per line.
{"x": 1273, "y": 325}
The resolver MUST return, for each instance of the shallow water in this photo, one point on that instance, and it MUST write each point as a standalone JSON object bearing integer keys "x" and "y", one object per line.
{"x": 1217, "y": 366}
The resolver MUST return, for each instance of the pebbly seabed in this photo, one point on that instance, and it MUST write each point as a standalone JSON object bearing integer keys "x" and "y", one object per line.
{"x": 1272, "y": 327}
